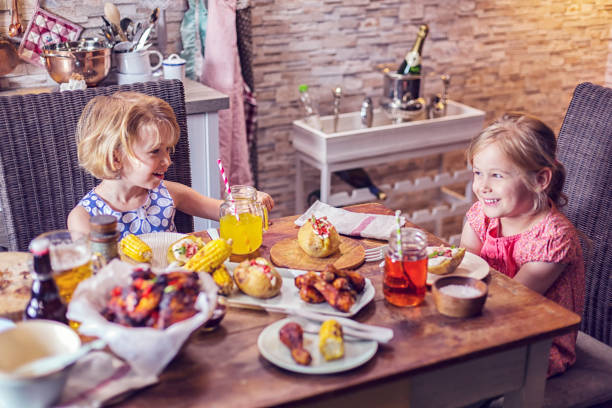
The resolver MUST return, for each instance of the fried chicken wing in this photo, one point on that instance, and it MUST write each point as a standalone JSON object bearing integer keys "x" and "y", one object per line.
{"x": 309, "y": 294}
{"x": 292, "y": 336}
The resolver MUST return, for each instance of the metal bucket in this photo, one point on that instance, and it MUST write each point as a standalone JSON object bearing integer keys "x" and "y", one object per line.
{"x": 90, "y": 57}
{"x": 402, "y": 98}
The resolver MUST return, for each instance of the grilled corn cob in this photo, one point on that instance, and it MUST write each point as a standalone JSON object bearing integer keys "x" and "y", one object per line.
{"x": 223, "y": 280}
{"x": 211, "y": 256}
{"x": 135, "y": 248}
{"x": 331, "y": 343}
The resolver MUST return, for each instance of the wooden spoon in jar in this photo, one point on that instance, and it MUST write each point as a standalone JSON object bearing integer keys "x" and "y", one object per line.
{"x": 114, "y": 17}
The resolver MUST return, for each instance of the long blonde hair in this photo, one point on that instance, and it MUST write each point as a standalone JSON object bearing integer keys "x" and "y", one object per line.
{"x": 532, "y": 146}
{"x": 109, "y": 127}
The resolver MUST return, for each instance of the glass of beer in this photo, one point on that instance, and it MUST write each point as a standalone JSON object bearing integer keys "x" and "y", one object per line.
{"x": 405, "y": 268}
{"x": 71, "y": 260}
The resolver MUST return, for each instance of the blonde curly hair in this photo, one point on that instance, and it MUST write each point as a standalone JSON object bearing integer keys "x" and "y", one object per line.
{"x": 109, "y": 126}
{"x": 531, "y": 145}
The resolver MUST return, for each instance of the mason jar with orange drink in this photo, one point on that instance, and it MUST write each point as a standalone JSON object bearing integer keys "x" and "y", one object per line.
{"x": 405, "y": 268}
{"x": 243, "y": 219}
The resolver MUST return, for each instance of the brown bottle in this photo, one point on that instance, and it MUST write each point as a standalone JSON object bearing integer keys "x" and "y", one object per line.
{"x": 45, "y": 302}
{"x": 104, "y": 236}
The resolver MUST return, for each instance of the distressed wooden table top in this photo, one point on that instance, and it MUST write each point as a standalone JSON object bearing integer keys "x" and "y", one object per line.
{"x": 223, "y": 368}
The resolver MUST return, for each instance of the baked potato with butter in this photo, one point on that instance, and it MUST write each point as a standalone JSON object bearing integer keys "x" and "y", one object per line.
{"x": 258, "y": 278}
{"x": 444, "y": 260}
{"x": 318, "y": 237}
{"x": 183, "y": 249}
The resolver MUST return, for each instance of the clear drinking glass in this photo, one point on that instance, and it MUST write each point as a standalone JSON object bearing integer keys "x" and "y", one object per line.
{"x": 246, "y": 230}
{"x": 405, "y": 275}
{"x": 71, "y": 260}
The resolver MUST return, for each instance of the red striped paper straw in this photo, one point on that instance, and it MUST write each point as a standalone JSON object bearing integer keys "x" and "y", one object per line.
{"x": 228, "y": 189}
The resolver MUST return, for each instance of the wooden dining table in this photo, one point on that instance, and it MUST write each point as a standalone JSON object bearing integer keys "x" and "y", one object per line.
{"x": 432, "y": 360}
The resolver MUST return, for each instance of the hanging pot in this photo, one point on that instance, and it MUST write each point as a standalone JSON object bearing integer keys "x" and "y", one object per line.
{"x": 8, "y": 56}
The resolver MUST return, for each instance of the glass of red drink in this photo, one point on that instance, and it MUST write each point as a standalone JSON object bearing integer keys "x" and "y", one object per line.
{"x": 405, "y": 268}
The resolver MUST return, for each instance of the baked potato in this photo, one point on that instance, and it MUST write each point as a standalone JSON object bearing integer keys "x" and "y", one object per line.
{"x": 183, "y": 249}
{"x": 258, "y": 278}
{"x": 318, "y": 237}
{"x": 444, "y": 260}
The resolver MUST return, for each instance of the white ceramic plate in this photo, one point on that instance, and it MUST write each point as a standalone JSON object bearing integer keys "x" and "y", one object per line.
{"x": 356, "y": 353}
{"x": 472, "y": 266}
{"x": 289, "y": 296}
{"x": 159, "y": 243}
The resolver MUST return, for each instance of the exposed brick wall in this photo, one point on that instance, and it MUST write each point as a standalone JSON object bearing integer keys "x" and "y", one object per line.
{"x": 501, "y": 55}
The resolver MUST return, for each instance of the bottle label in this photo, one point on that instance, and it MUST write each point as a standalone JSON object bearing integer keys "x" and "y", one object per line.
{"x": 413, "y": 59}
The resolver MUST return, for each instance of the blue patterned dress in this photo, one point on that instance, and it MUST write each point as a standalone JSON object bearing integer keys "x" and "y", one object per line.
{"x": 156, "y": 215}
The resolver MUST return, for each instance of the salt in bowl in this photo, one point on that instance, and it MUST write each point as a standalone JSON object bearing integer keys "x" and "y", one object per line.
{"x": 459, "y": 296}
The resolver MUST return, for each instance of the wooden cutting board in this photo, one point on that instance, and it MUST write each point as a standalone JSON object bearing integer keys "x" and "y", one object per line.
{"x": 288, "y": 254}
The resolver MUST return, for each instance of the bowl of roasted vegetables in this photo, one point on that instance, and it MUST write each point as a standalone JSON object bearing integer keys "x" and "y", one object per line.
{"x": 145, "y": 315}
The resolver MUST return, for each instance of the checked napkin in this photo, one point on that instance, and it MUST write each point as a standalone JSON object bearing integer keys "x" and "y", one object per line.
{"x": 351, "y": 223}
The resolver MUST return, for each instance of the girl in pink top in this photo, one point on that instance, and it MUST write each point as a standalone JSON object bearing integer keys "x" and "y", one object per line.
{"x": 515, "y": 224}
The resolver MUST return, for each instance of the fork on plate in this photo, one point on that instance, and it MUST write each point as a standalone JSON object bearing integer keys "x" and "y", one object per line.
{"x": 375, "y": 254}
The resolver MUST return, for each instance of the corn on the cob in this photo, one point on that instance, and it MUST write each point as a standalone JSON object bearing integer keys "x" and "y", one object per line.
{"x": 211, "y": 256}
{"x": 135, "y": 248}
{"x": 223, "y": 280}
{"x": 331, "y": 343}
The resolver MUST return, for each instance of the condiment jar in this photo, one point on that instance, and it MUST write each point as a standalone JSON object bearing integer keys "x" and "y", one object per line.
{"x": 243, "y": 219}
{"x": 104, "y": 236}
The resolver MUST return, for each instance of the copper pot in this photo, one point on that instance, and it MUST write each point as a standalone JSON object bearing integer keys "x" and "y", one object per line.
{"x": 90, "y": 57}
{"x": 8, "y": 56}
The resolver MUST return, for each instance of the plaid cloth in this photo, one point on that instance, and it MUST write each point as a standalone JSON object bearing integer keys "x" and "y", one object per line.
{"x": 45, "y": 28}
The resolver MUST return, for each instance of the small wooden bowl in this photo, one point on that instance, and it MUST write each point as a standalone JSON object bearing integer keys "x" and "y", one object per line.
{"x": 459, "y": 306}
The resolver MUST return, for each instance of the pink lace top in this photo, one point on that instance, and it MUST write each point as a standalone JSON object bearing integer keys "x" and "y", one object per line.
{"x": 553, "y": 240}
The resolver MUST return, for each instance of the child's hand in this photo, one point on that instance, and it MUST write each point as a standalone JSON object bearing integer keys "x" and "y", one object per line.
{"x": 265, "y": 199}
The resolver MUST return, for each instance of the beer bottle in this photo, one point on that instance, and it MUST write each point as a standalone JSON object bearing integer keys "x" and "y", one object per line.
{"x": 45, "y": 302}
{"x": 412, "y": 62}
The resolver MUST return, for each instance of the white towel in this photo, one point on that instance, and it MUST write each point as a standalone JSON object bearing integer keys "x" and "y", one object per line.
{"x": 351, "y": 223}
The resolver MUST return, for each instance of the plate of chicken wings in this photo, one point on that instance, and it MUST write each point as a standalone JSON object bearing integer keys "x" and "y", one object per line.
{"x": 289, "y": 296}
{"x": 272, "y": 348}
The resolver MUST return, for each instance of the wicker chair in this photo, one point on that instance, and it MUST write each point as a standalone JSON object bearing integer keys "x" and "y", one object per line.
{"x": 585, "y": 148}
{"x": 40, "y": 179}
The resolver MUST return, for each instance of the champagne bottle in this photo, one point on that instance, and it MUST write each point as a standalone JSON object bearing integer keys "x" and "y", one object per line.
{"x": 412, "y": 62}
{"x": 45, "y": 302}
{"x": 358, "y": 178}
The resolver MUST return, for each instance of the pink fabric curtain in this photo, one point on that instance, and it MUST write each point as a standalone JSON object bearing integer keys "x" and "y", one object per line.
{"x": 221, "y": 71}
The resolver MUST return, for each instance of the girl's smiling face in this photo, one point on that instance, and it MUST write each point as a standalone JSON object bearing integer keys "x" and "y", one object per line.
{"x": 152, "y": 159}
{"x": 499, "y": 186}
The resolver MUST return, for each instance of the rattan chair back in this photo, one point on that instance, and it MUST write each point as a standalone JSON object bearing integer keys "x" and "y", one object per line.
{"x": 585, "y": 149}
{"x": 40, "y": 178}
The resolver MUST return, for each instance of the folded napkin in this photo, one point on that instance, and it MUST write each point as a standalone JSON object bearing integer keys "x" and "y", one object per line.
{"x": 100, "y": 377}
{"x": 351, "y": 223}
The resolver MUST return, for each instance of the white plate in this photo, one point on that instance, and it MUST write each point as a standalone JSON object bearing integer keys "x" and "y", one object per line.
{"x": 289, "y": 296}
{"x": 472, "y": 266}
{"x": 356, "y": 353}
{"x": 159, "y": 243}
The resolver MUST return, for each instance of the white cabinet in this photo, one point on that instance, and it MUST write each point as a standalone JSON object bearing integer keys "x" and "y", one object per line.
{"x": 202, "y": 104}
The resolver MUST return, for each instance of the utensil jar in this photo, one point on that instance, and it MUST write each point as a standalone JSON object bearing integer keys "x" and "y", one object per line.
{"x": 405, "y": 274}
{"x": 246, "y": 228}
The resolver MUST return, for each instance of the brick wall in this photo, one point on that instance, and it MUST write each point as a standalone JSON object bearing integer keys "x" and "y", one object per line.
{"x": 501, "y": 55}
